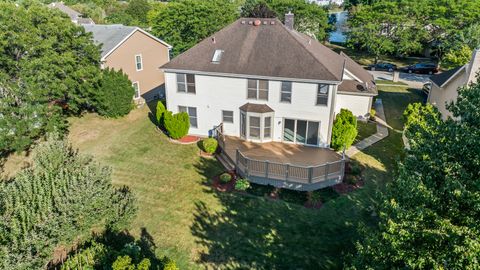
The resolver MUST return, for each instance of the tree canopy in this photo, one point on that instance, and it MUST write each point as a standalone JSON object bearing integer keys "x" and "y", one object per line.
{"x": 184, "y": 23}
{"x": 310, "y": 18}
{"x": 429, "y": 215}
{"x": 60, "y": 198}
{"x": 405, "y": 27}
{"x": 114, "y": 98}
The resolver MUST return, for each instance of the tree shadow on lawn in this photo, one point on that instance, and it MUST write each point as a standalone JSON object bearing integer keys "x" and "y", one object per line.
{"x": 254, "y": 232}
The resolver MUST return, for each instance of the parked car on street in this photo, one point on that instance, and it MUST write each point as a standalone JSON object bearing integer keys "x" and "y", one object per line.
{"x": 383, "y": 66}
{"x": 421, "y": 68}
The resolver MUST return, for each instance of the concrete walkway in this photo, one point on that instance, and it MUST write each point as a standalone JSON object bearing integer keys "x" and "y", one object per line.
{"x": 382, "y": 131}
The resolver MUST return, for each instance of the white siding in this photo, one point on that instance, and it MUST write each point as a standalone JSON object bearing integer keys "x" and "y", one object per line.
{"x": 358, "y": 105}
{"x": 214, "y": 94}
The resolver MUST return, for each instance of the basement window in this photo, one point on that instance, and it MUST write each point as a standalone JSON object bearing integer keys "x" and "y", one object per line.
{"x": 217, "y": 56}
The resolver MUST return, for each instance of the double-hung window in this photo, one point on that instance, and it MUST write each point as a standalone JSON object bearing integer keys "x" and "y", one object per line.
{"x": 136, "y": 87}
{"x": 192, "y": 114}
{"x": 138, "y": 62}
{"x": 286, "y": 92}
{"x": 322, "y": 94}
{"x": 257, "y": 89}
{"x": 227, "y": 116}
{"x": 186, "y": 83}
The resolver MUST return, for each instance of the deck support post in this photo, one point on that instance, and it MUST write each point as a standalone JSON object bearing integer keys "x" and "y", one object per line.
{"x": 310, "y": 173}
{"x": 237, "y": 153}
{"x": 266, "y": 168}
{"x": 287, "y": 167}
{"x": 326, "y": 171}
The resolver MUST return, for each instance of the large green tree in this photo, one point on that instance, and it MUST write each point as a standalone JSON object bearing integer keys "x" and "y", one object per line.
{"x": 54, "y": 57}
{"x": 184, "y": 23}
{"x": 405, "y": 27}
{"x": 310, "y": 18}
{"x": 429, "y": 215}
{"x": 59, "y": 199}
{"x": 114, "y": 98}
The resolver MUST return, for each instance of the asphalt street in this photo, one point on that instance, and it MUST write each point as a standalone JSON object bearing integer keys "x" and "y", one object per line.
{"x": 413, "y": 80}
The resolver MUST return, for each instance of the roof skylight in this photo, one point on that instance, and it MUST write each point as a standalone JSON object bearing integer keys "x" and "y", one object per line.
{"x": 217, "y": 56}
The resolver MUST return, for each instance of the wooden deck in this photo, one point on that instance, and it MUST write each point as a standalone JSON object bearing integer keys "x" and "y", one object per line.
{"x": 287, "y": 153}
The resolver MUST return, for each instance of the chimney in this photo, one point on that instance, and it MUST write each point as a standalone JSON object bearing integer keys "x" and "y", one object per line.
{"x": 473, "y": 68}
{"x": 289, "y": 20}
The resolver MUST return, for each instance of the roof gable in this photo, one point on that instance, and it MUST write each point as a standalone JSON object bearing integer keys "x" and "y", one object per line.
{"x": 112, "y": 36}
{"x": 268, "y": 49}
{"x": 443, "y": 78}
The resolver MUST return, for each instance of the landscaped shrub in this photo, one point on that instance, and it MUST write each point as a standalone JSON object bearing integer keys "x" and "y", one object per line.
{"x": 372, "y": 114}
{"x": 344, "y": 130}
{"x": 225, "y": 177}
{"x": 355, "y": 169}
{"x": 314, "y": 197}
{"x": 115, "y": 96}
{"x": 351, "y": 179}
{"x": 125, "y": 263}
{"x": 177, "y": 125}
{"x": 169, "y": 264}
{"x": 242, "y": 184}
{"x": 160, "y": 111}
{"x": 209, "y": 145}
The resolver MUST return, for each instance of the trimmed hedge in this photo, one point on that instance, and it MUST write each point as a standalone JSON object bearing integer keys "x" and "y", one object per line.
{"x": 209, "y": 145}
{"x": 177, "y": 125}
{"x": 344, "y": 130}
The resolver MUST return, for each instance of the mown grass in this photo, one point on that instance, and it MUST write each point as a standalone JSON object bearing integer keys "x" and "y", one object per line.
{"x": 365, "y": 130}
{"x": 201, "y": 229}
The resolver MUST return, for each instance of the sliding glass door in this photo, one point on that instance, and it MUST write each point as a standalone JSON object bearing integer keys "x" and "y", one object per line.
{"x": 301, "y": 131}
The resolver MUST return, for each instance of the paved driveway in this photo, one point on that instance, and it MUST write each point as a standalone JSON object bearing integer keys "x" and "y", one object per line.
{"x": 413, "y": 80}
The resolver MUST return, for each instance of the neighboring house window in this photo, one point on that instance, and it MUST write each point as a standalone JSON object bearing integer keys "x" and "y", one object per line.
{"x": 186, "y": 83}
{"x": 136, "y": 86}
{"x": 227, "y": 116}
{"x": 192, "y": 114}
{"x": 322, "y": 94}
{"x": 138, "y": 62}
{"x": 286, "y": 92}
{"x": 257, "y": 89}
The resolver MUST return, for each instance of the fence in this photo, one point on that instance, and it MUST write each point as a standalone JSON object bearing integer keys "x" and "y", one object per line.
{"x": 275, "y": 173}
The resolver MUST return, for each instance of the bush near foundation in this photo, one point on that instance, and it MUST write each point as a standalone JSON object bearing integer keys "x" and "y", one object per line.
{"x": 344, "y": 130}
{"x": 177, "y": 125}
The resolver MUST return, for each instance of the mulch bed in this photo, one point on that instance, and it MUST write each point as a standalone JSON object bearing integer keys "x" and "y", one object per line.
{"x": 344, "y": 188}
{"x": 189, "y": 139}
{"x": 224, "y": 187}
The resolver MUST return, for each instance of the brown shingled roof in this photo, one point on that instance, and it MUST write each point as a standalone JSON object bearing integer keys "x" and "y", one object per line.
{"x": 257, "y": 108}
{"x": 269, "y": 49}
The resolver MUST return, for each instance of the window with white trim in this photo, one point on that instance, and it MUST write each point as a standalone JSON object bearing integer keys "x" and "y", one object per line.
{"x": 257, "y": 89}
{"x": 186, "y": 83}
{"x": 286, "y": 92}
{"x": 138, "y": 62}
{"x": 322, "y": 94}
{"x": 227, "y": 116}
{"x": 136, "y": 86}
{"x": 192, "y": 114}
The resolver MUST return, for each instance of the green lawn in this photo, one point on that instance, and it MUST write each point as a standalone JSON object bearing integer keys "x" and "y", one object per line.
{"x": 365, "y": 130}
{"x": 201, "y": 229}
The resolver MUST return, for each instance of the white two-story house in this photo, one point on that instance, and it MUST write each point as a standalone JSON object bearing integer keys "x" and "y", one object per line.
{"x": 265, "y": 82}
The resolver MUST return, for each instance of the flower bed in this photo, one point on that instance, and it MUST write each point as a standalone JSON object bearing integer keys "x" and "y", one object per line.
{"x": 189, "y": 139}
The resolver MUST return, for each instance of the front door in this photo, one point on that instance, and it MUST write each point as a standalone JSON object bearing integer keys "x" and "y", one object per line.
{"x": 301, "y": 131}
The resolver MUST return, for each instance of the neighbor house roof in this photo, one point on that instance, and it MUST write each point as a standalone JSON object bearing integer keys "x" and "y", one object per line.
{"x": 256, "y": 108}
{"x": 442, "y": 78}
{"x": 73, "y": 14}
{"x": 113, "y": 35}
{"x": 268, "y": 49}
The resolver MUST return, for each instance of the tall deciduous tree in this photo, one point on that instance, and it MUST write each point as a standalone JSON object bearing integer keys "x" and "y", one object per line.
{"x": 184, "y": 23}
{"x": 406, "y": 27}
{"x": 310, "y": 18}
{"x": 56, "y": 58}
{"x": 429, "y": 216}
{"x": 57, "y": 200}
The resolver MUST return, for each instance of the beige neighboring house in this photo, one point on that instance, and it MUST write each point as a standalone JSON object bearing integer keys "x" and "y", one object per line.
{"x": 137, "y": 53}
{"x": 74, "y": 15}
{"x": 445, "y": 85}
